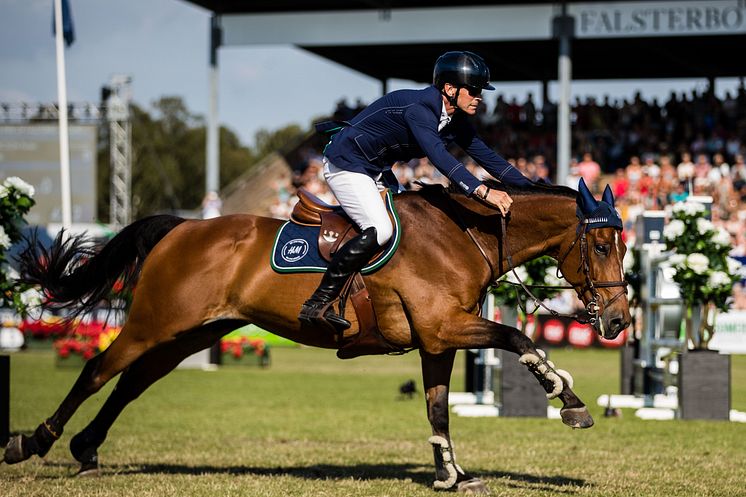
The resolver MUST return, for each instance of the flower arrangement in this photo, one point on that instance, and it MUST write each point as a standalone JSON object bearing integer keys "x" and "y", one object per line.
{"x": 540, "y": 272}
{"x": 47, "y": 326}
{"x": 701, "y": 267}
{"x": 237, "y": 346}
{"x": 16, "y": 199}
{"x": 87, "y": 340}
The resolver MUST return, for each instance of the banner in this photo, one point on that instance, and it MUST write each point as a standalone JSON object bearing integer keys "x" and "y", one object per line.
{"x": 68, "y": 30}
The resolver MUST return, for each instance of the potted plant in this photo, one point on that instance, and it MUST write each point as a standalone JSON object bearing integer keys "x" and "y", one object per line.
{"x": 515, "y": 305}
{"x": 16, "y": 199}
{"x": 519, "y": 394}
{"x": 705, "y": 275}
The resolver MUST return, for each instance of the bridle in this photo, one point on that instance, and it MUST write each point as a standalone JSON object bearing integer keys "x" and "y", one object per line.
{"x": 590, "y": 286}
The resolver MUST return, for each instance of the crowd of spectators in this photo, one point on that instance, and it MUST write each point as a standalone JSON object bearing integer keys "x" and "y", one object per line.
{"x": 652, "y": 155}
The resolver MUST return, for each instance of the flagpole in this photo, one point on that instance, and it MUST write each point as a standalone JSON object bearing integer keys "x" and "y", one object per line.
{"x": 62, "y": 112}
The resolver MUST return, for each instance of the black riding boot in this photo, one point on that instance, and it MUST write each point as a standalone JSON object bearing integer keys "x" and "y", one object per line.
{"x": 350, "y": 259}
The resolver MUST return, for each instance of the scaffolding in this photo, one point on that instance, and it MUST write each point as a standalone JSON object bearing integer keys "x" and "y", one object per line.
{"x": 118, "y": 96}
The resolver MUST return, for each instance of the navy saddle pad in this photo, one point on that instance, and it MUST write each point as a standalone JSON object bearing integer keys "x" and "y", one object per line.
{"x": 296, "y": 248}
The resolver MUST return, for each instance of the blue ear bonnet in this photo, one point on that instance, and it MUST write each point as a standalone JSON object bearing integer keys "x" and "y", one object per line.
{"x": 597, "y": 213}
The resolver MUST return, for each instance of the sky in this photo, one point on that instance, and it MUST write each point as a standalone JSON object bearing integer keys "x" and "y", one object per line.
{"x": 163, "y": 46}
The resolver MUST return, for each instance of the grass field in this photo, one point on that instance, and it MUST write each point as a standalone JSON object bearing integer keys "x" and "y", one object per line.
{"x": 312, "y": 425}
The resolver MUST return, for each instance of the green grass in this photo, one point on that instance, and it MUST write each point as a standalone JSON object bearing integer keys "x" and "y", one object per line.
{"x": 312, "y": 425}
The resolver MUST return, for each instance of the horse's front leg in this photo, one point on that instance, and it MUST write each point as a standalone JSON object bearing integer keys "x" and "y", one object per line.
{"x": 477, "y": 333}
{"x": 436, "y": 376}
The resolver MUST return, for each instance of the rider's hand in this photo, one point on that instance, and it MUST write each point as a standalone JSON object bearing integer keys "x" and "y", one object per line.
{"x": 496, "y": 198}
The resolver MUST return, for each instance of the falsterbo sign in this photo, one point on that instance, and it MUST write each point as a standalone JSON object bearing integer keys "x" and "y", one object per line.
{"x": 640, "y": 19}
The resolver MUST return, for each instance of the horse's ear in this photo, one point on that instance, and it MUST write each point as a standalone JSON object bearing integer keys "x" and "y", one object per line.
{"x": 608, "y": 197}
{"x": 585, "y": 200}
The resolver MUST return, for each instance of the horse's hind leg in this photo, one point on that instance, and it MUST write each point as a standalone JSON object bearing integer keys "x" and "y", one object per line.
{"x": 149, "y": 368}
{"x": 96, "y": 372}
{"x": 436, "y": 376}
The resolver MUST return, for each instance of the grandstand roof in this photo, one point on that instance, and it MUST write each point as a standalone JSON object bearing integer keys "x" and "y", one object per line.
{"x": 683, "y": 54}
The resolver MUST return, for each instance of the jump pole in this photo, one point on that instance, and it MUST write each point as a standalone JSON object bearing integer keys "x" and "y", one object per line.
{"x": 4, "y": 399}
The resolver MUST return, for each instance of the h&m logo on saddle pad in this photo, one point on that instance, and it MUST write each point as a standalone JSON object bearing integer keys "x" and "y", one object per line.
{"x": 294, "y": 250}
{"x": 296, "y": 247}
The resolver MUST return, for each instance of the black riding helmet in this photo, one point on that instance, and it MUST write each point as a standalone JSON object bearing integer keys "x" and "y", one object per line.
{"x": 461, "y": 69}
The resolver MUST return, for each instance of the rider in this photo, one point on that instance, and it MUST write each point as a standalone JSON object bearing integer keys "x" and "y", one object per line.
{"x": 398, "y": 127}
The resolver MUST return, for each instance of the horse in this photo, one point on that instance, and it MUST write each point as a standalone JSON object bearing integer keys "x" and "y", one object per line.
{"x": 196, "y": 280}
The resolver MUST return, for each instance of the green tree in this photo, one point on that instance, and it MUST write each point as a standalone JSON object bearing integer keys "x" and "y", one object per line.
{"x": 168, "y": 159}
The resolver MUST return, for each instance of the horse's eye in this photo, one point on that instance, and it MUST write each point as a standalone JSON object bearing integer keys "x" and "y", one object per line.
{"x": 602, "y": 249}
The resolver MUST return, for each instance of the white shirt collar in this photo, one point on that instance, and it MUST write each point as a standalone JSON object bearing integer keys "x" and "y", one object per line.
{"x": 444, "y": 118}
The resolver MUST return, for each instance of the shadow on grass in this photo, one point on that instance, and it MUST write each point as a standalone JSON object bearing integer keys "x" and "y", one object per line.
{"x": 422, "y": 475}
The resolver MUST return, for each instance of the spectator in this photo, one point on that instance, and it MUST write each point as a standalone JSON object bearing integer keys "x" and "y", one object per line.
{"x": 590, "y": 171}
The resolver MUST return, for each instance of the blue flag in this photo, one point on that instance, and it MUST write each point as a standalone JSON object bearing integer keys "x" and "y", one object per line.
{"x": 68, "y": 31}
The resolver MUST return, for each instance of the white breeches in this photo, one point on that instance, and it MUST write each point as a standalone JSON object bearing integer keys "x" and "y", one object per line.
{"x": 360, "y": 197}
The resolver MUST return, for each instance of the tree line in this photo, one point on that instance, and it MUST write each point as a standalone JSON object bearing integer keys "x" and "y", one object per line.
{"x": 168, "y": 157}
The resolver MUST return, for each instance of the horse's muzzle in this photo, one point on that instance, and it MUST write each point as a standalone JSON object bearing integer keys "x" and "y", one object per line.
{"x": 609, "y": 326}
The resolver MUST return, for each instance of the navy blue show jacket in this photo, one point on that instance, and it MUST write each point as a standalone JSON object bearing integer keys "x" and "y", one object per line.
{"x": 404, "y": 125}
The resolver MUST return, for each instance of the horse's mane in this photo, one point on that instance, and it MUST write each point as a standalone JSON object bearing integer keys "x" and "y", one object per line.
{"x": 532, "y": 189}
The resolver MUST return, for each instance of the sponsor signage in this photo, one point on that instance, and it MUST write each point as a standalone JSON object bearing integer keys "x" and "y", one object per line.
{"x": 644, "y": 19}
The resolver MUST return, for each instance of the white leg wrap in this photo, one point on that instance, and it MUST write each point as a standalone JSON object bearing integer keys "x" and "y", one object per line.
{"x": 449, "y": 464}
{"x": 545, "y": 368}
{"x": 529, "y": 358}
{"x": 566, "y": 377}
{"x": 557, "y": 381}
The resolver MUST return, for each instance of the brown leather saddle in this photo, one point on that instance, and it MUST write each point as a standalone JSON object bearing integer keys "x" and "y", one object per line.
{"x": 335, "y": 230}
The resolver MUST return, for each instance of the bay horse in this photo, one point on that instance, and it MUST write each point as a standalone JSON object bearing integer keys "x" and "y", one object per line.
{"x": 199, "y": 279}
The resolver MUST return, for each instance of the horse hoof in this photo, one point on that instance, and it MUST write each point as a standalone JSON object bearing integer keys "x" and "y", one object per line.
{"x": 576, "y": 417}
{"x": 473, "y": 486}
{"x": 14, "y": 450}
{"x": 88, "y": 470}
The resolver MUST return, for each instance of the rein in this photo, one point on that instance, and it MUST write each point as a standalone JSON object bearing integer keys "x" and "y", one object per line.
{"x": 591, "y": 309}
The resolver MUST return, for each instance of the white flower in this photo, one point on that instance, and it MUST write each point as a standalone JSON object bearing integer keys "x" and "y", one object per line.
{"x": 12, "y": 274}
{"x": 721, "y": 237}
{"x": 697, "y": 262}
{"x": 520, "y": 271}
{"x": 3, "y": 191}
{"x": 704, "y": 226}
{"x": 718, "y": 279}
{"x": 551, "y": 277}
{"x": 21, "y": 186}
{"x": 734, "y": 265}
{"x": 31, "y": 298}
{"x": 689, "y": 208}
{"x": 4, "y": 238}
{"x": 673, "y": 230}
{"x": 677, "y": 260}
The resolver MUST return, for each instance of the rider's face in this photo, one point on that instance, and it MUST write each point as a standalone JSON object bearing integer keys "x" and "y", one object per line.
{"x": 468, "y": 99}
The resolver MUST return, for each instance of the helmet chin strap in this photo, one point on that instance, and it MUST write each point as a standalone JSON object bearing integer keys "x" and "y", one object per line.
{"x": 454, "y": 99}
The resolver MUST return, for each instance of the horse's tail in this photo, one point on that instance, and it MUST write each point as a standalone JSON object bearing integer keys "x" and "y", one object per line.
{"x": 77, "y": 277}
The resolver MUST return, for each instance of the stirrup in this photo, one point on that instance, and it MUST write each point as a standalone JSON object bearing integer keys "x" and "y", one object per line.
{"x": 322, "y": 314}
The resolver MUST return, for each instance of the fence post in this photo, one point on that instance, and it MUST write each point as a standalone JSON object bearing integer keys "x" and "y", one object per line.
{"x": 4, "y": 399}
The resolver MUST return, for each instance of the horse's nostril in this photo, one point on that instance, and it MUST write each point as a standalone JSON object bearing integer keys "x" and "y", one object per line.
{"x": 617, "y": 324}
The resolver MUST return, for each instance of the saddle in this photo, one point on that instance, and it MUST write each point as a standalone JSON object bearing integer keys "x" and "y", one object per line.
{"x": 335, "y": 230}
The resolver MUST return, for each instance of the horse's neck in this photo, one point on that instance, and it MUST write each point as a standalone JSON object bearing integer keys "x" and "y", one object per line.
{"x": 538, "y": 225}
